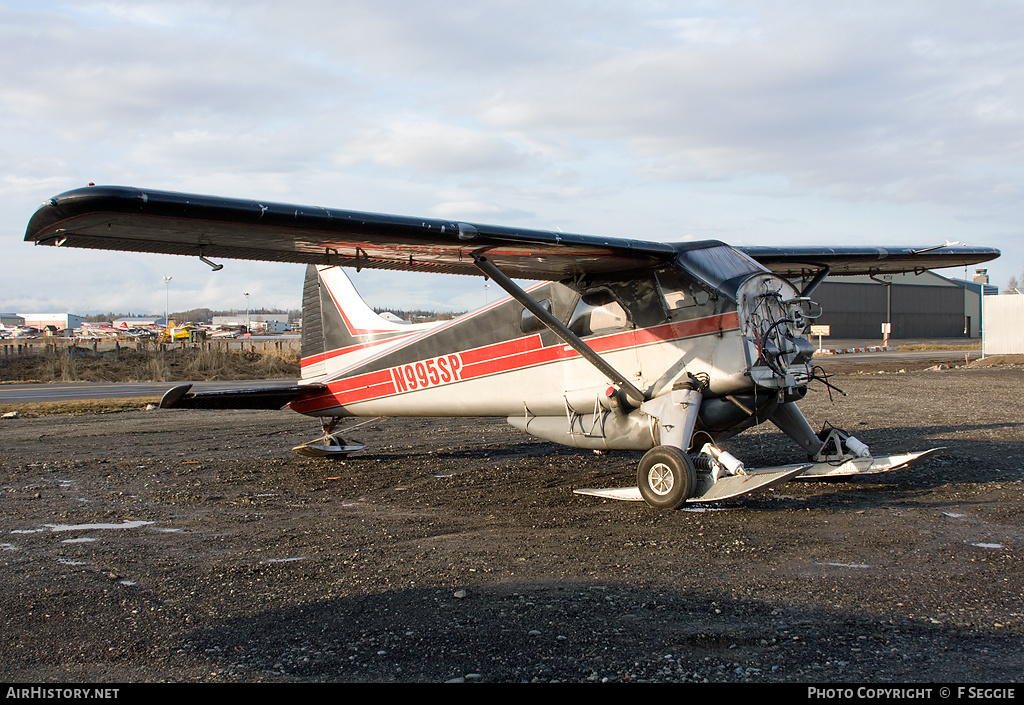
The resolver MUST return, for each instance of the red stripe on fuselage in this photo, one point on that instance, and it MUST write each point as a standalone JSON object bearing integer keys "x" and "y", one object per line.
{"x": 511, "y": 355}
{"x": 497, "y": 357}
{"x": 324, "y": 356}
{"x": 347, "y": 391}
{"x": 442, "y": 326}
{"x": 686, "y": 329}
{"x": 502, "y": 349}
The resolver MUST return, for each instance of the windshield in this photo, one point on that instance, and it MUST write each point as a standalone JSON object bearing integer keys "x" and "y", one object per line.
{"x": 718, "y": 265}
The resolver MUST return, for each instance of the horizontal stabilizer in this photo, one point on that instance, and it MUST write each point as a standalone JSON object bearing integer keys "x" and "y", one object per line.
{"x": 261, "y": 398}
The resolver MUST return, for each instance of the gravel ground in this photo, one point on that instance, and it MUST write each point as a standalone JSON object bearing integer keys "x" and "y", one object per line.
{"x": 194, "y": 546}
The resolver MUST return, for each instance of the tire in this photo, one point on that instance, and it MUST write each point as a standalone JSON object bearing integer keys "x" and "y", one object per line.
{"x": 666, "y": 477}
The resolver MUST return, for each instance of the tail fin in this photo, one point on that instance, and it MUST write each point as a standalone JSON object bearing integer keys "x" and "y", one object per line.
{"x": 338, "y": 328}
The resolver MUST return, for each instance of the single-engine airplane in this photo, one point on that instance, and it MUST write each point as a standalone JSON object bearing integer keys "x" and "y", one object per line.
{"x": 668, "y": 348}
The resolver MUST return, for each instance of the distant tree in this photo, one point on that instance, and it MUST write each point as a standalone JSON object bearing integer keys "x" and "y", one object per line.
{"x": 109, "y": 317}
{"x": 1012, "y": 285}
{"x": 194, "y": 315}
{"x": 418, "y": 315}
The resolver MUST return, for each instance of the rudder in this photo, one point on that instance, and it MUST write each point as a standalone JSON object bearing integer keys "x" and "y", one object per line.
{"x": 337, "y": 325}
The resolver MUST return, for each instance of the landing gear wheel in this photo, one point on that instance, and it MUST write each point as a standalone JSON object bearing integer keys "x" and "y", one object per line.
{"x": 666, "y": 477}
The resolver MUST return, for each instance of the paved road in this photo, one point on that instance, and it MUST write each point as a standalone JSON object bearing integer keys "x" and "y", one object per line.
{"x": 67, "y": 391}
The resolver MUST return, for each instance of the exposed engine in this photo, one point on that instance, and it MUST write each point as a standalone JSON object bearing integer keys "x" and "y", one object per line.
{"x": 774, "y": 320}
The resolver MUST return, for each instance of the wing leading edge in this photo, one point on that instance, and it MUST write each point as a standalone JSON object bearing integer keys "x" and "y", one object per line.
{"x": 794, "y": 262}
{"x": 138, "y": 220}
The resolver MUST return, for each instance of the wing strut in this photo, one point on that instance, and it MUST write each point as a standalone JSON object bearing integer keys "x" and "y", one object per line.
{"x": 558, "y": 328}
{"x": 817, "y": 279}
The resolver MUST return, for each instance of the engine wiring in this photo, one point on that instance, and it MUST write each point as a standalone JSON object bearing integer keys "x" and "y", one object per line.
{"x": 700, "y": 380}
{"x": 818, "y": 374}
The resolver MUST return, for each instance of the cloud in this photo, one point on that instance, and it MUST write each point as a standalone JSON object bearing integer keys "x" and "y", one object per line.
{"x": 832, "y": 100}
{"x": 659, "y": 120}
{"x": 471, "y": 211}
{"x": 433, "y": 148}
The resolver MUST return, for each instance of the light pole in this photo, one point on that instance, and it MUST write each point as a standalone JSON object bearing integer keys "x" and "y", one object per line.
{"x": 246, "y": 295}
{"x": 167, "y": 301}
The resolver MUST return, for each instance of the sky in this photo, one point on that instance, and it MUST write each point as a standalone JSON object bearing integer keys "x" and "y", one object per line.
{"x": 754, "y": 123}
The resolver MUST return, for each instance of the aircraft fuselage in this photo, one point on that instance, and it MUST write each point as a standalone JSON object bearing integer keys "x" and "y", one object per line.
{"x": 657, "y": 327}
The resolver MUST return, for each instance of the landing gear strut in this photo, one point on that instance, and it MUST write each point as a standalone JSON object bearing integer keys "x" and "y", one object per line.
{"x": 330, "y": 445}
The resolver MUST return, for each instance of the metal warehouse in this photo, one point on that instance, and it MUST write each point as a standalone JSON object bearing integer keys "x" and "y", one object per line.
{"x": 925, "y": 305}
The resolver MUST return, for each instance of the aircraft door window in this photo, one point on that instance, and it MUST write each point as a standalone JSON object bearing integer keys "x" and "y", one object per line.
{"x": 530, "y": 323}
{"x": 677, "y": 299}
{"x": 598, "y": 313}
{"x": 679, "y": 294}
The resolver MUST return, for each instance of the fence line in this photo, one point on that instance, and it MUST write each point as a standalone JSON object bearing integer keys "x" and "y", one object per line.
{"x": 44, "y": 346}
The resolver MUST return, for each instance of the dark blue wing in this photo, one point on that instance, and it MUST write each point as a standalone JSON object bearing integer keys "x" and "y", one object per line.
{"x": 138, "y": 220}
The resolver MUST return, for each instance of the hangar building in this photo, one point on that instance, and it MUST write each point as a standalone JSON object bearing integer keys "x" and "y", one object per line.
{"x": 925, "y": 305}
{"x": 269, "y": 322}
{"x": 60, "y": 321}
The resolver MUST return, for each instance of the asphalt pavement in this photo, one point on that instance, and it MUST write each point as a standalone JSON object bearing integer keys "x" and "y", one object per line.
{"x": 67, "y": 391}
